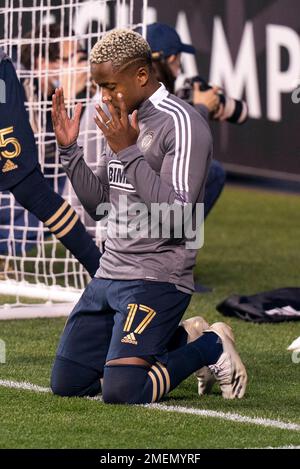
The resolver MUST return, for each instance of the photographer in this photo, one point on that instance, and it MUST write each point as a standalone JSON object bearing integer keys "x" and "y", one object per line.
{"x": 166, "y": 49}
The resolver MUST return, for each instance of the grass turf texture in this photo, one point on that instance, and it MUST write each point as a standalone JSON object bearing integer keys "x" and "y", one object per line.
{"x": 251, "y": 245}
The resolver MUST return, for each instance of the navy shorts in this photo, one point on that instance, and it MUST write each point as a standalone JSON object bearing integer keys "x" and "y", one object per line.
{"x": 122, "y": 318}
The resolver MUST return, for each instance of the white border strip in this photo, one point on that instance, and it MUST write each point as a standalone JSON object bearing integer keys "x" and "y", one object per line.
{"x": 232, "y": 417}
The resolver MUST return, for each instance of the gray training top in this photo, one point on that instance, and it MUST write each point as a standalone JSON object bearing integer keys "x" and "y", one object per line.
{"x": 168, "y": 164}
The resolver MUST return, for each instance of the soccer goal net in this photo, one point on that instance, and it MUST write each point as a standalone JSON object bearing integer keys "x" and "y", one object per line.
{"x": 49, "y": 42}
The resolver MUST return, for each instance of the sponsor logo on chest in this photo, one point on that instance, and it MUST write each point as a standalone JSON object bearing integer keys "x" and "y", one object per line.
{"x": 116, "y": 176}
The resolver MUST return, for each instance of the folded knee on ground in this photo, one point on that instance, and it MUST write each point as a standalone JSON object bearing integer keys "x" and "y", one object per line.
{"x": 126, "y": 384}
{"x": 70, "y": 379}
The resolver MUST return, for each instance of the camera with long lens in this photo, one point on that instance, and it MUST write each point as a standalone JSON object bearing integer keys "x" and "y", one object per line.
{"x": 234, "y": 110}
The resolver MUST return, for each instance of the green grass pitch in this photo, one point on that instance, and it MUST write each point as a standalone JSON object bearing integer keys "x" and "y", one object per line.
{"x": 251, "y": 245}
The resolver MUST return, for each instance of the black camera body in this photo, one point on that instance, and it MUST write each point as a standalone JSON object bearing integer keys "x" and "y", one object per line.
{"x": 234, "y": 110}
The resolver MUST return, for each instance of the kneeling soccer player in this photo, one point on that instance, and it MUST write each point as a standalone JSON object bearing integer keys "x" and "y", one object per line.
{"x": 123, "y": 336}
{"x": 20, "y": 173}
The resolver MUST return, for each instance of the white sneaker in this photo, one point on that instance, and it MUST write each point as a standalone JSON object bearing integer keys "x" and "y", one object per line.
{"x": 195, "y": 328}
{"x": 229, "y": 370}
{"x": 295, "y": 346}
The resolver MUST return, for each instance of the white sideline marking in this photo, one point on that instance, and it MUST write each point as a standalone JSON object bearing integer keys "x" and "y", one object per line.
{"x": 280, "y": 447}
{"x": 229, "y": 416}
{"x": 7, "y": 383}
{"x": 232, "y": 417}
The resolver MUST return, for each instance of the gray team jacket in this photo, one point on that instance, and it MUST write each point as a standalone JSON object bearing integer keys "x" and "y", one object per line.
{"x": 167, "y": 165}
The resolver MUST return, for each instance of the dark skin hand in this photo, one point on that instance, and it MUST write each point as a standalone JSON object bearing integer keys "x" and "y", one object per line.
{"x": 123, "y": 91}
{"x": 66, "y": 129}
{"x": 119, "y": 132}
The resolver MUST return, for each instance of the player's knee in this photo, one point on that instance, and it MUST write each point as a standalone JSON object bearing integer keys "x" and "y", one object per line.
{"x": 125, "y": 384}
{"x": 63, "y": 378}
{"x": 70, "y": 379}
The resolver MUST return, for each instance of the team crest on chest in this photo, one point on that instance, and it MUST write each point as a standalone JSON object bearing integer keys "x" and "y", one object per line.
{"x": 147, "y": 140}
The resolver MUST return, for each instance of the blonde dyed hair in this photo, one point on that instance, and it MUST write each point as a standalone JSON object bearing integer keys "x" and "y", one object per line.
{"x": 120, "y": 46}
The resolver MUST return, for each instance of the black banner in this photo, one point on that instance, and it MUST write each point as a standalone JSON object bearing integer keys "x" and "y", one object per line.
{"x": 133, "y": 458}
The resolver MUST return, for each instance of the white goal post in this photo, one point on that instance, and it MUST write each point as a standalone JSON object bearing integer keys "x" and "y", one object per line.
{"x": 34, "y": 266}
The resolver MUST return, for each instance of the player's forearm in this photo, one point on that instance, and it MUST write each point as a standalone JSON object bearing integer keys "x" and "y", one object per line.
{"x": 152, "y": 188}
{"x": 149, "y": 185}
{"x": 175, "y": 184}
{"x": 85, "y": 183}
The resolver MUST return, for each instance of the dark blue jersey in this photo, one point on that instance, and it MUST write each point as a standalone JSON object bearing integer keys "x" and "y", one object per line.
{"x": 18, "y": 151}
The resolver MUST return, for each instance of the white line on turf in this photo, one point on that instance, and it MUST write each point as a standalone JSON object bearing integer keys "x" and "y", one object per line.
{"x": 232, "y": 417}
{"x": 7, "y": 383}
{"x": 279, "y": 447}
{"x": 229, "y": 416}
